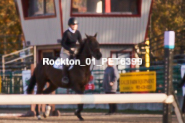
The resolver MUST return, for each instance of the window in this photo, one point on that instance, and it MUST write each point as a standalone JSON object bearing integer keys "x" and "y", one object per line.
{"x": 106, "y": 7}
{"x": 38, "y": 8}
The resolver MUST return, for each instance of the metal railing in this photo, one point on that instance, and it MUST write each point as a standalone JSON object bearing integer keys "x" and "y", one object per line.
{"x": 16, "y": 56}
{"x": 13, "y": 84}
{"x": 157, "y": 48}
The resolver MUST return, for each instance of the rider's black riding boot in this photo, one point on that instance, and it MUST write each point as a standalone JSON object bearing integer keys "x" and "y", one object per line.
{"x": 65, "y": 78}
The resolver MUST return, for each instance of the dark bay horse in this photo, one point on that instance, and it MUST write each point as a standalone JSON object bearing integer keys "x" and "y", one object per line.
{"x": 78, "y": 75}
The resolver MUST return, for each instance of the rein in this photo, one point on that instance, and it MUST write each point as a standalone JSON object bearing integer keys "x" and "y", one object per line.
{"x": 92, "y": 68}
{"x": 91, "y": 54}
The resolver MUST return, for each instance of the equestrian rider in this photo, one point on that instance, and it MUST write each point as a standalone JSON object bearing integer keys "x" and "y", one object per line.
{"x": 69, "y": 40}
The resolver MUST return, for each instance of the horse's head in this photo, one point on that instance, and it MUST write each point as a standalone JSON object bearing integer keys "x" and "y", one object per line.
{"x": 94, "y": 46}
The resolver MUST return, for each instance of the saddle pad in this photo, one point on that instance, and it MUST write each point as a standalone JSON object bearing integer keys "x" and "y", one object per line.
{"x": 57, "y": 64}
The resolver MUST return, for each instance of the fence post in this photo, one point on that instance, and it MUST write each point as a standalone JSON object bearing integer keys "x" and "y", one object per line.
{"x": 33, "y": 105}
{"x": 35, "y": 55}
{"x": 169, "y": 41}
{"x": 3, "y": 66}
{"x": 11, "y": 82}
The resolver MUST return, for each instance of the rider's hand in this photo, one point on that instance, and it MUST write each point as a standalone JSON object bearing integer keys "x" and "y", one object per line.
{"x": 111, "y": 83}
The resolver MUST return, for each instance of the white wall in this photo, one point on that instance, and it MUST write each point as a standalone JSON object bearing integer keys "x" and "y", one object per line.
{"x": 111, "y": 30}
{"x": 41, "y": 31}
{"x": 119, "y": 30}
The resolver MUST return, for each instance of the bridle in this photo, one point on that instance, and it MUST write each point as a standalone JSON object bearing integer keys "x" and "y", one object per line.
{"x": 92, "y": 53}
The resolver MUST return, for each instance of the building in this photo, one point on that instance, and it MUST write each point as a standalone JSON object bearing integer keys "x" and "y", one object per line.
{"x": 120, "y": 24}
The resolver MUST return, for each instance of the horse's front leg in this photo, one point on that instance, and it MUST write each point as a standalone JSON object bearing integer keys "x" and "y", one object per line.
{"x": 78, "y": 112}
{"x": 80, "y": 106}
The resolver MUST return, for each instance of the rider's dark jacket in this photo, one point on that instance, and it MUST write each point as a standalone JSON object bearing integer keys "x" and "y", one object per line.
{"x": 69, "y": 39}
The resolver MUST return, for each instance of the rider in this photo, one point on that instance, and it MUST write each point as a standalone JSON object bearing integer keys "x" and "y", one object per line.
{"x": 69, "y": 40}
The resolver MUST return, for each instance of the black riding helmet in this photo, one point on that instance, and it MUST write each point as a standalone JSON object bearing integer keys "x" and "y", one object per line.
{"x": 72, "y": 21}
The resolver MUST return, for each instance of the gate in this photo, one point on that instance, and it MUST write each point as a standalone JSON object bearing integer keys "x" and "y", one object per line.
{"x": 98, "y": 78}
{"x": 12, "y": 82}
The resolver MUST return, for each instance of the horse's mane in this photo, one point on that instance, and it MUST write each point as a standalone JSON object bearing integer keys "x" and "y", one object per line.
{"x": 80, "y": 49}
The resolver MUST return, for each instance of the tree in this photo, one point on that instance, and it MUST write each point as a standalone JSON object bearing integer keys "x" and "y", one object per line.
{"x": 9, "y": 26}
{"x": 167, "y": 15}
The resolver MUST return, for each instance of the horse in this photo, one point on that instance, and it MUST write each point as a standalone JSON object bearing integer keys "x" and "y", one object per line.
{"x": 78, "y": 76}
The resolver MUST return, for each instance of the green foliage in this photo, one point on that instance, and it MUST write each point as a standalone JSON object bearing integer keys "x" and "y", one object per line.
{"x": 167, "y": 15}
{"x": 9, "y": 20}
{"x": 9, "y": 27}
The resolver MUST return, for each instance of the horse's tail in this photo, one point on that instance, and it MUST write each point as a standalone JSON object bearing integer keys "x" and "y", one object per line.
{"x": 32, "y": 83}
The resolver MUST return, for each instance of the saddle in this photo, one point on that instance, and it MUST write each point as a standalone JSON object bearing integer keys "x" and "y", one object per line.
{"x": 58, "y": 65}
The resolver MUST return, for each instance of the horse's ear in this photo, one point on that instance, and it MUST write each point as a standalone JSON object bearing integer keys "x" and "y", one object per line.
{"x": 95, "y": 35}
{"x": 86, "y": 35}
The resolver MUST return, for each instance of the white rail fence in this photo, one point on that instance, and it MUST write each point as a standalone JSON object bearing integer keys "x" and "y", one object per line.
{"x": 85, "y": 99}
{"x": 21, "y": 57}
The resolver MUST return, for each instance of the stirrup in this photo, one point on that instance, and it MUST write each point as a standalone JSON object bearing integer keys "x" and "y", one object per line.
{"x": 65, "y": 80}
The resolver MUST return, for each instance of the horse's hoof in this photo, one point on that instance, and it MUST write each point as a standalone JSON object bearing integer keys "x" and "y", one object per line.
{"x": 44, "y": 115}
{"x": 81, "y": 119}
{"x": 79, "y": 116}
{"x": 47, "y": 112}
{"x": 39, "y": 117}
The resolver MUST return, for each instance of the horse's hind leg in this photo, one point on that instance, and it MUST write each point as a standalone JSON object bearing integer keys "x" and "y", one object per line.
{"x": 48, "y": 90}
{"x": 39, "y": 91}
{"x": 37, "y": 107}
